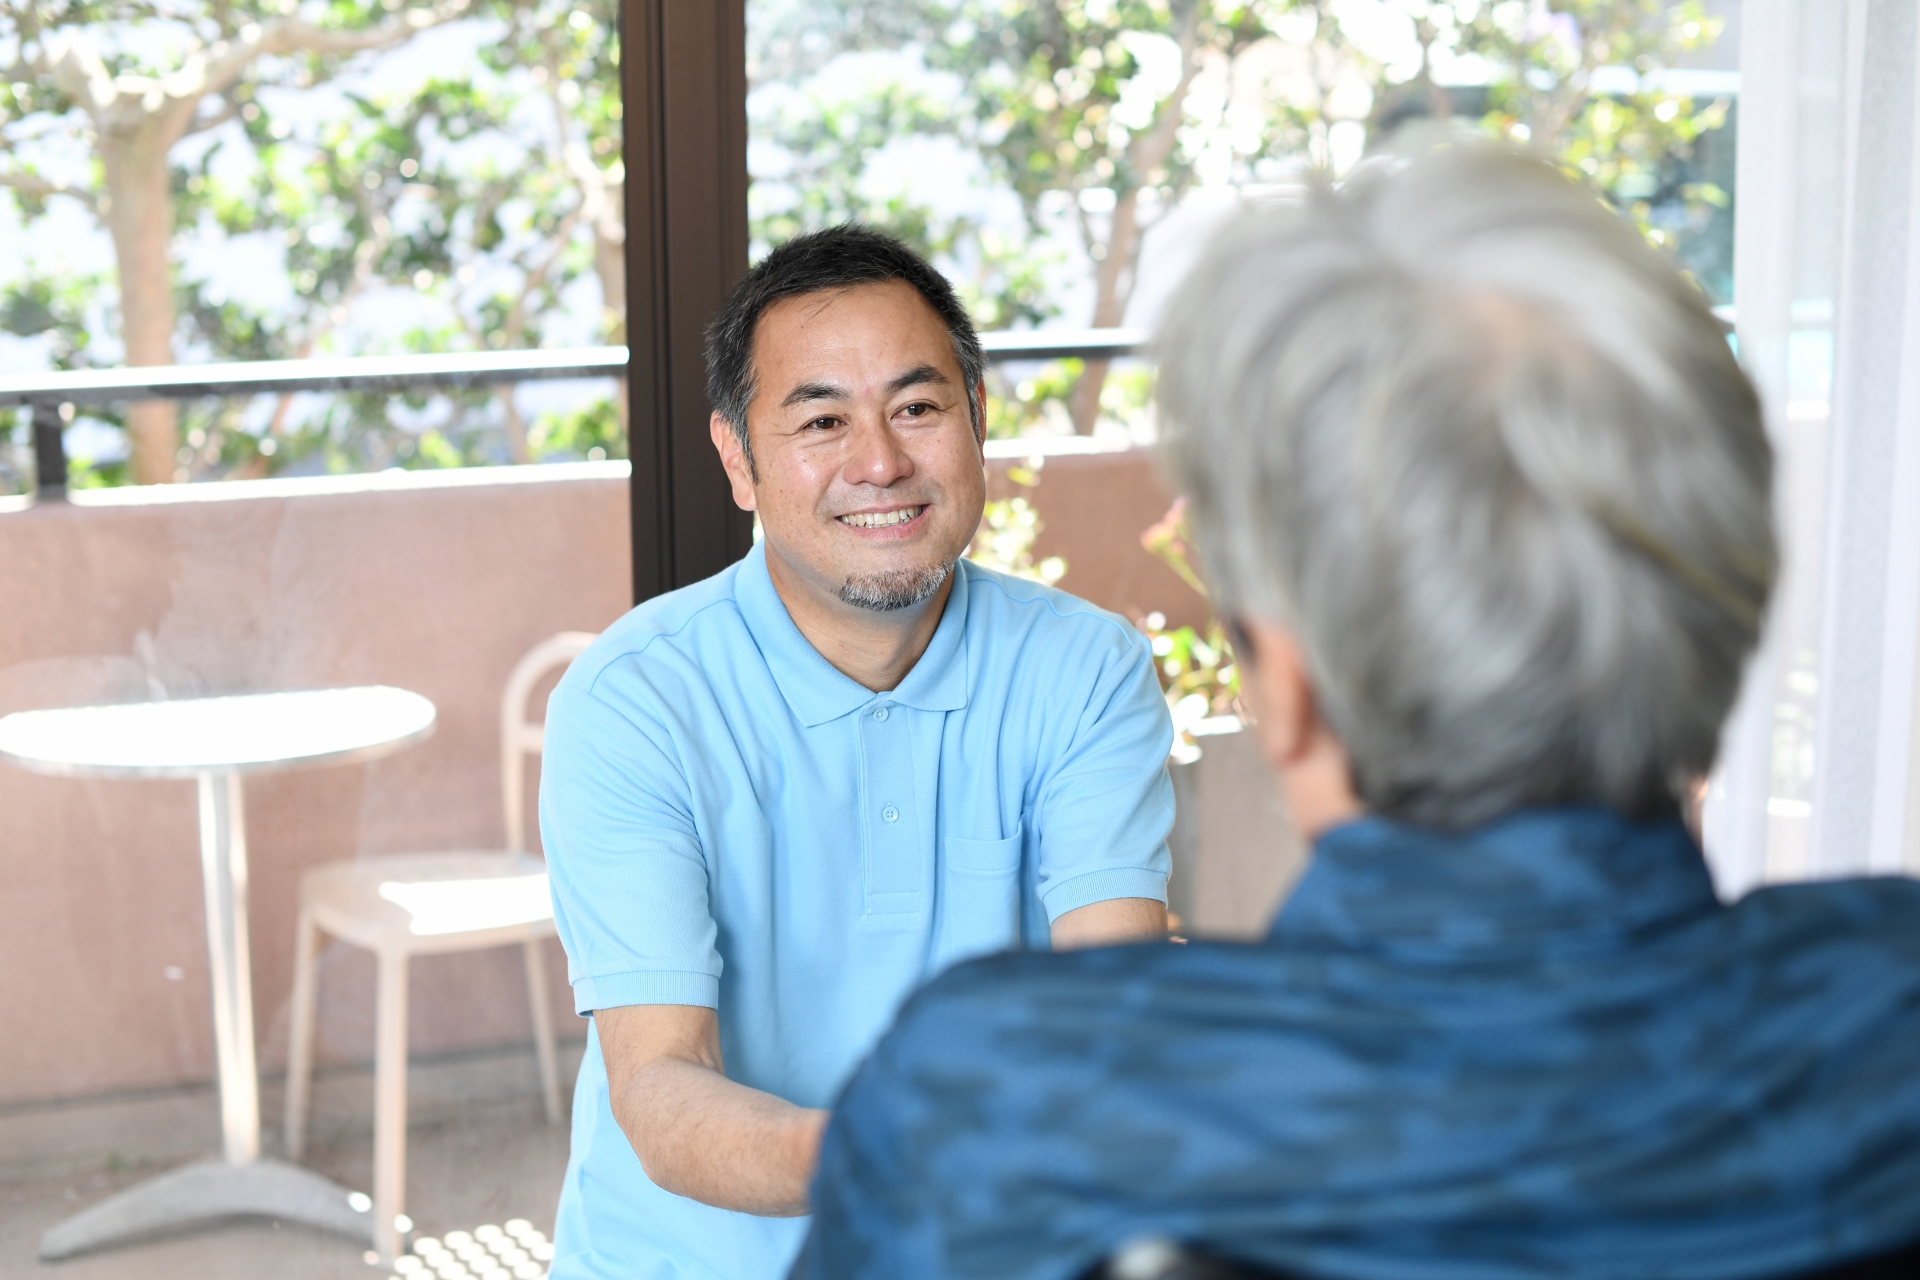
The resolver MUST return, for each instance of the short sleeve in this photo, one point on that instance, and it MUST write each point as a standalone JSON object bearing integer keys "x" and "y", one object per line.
{"x": 628, "y": 875}
{"x": 1105, "y": 803}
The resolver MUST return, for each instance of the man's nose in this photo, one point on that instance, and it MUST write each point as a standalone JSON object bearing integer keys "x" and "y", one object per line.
{"x": 878, "y": 456}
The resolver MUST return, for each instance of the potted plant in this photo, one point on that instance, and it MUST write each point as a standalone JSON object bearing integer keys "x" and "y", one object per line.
{"x": 1235, "y": 849}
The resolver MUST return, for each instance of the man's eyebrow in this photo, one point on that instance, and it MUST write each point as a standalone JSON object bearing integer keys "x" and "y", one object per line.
{"x": 807, "y": 392}
{"x": 920, "y": 375}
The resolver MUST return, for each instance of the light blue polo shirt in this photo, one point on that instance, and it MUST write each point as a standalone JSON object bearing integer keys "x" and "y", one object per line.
{"x": 731, "y": 822}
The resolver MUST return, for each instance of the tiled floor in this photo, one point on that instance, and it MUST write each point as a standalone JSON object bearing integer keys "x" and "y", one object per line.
{"x": 482, "y": 1164}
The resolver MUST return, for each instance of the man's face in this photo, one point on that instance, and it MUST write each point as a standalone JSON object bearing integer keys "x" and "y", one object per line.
{"x": 869, "y": 477}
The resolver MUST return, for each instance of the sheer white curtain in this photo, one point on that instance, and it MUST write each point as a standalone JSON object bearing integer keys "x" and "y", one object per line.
{"x": 1820, "y": 764}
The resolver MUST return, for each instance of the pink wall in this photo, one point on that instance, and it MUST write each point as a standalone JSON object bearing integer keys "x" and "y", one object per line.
{"x": 435, "y": 583}
{"x": 436, "y": 588}
{"x": 1093, "y": 508}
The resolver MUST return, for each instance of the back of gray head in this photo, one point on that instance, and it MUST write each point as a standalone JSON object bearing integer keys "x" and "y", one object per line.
{"x": 1489, "y": 458}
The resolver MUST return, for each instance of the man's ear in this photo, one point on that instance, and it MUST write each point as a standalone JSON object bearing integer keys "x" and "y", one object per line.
{"x": 734, "y": 459}
{"x": 980, "y": 417}
{"x": 1274, "y": 686}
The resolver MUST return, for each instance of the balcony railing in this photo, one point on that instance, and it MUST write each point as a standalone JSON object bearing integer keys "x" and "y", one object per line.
{"x": 46, "y": 393}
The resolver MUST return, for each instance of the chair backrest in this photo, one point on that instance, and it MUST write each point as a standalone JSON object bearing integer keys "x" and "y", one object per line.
{"x": 521, "y": 736}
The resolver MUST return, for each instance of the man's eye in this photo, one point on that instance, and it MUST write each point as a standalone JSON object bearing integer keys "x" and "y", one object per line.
{"x": 919, "y": 410}
{"x": 822, "y": 424}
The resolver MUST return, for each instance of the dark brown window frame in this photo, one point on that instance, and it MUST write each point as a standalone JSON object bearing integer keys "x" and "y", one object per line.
{"x": 683, "y": 77}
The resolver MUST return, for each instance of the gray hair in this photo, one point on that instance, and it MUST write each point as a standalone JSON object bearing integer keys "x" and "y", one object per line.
{"x": 1489, "y": 458}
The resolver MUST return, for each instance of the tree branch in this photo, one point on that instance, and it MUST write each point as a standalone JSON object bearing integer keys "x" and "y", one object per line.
{"x": 168, "y": 103}
{"x": 220, "y": 67}
{"x": 597, "y": 209}
{"x": 74, "y": 65}
{"x": 514, "y": 324}
{"x": 230, "y": 111}
{"x": 34, "y": 184}
{"x": 1148, "y": 151}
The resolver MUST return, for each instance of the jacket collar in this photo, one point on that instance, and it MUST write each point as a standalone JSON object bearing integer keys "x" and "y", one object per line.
{"x": 1532, "y": 879}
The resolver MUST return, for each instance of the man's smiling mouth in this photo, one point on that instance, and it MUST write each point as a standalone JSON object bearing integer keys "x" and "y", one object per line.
{"x": 881, "y": 519}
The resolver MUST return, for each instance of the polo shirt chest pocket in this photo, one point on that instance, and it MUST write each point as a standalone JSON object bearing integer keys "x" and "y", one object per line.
{"x": 979, "y": 897}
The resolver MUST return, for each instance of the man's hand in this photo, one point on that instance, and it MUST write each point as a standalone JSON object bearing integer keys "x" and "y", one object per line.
{"x": 697, "y": 1133}
{"x": 1117, "y": 920}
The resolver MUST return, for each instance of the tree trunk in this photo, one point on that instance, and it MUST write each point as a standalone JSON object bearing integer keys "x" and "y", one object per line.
{"x": 610, "y": 264}
{"x": 515, "y": 426}
{"x": 1113, "y": 285}
{"x": 139, "y": 216}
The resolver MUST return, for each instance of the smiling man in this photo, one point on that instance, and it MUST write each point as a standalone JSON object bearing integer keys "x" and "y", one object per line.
{"x": 775, "y": 801}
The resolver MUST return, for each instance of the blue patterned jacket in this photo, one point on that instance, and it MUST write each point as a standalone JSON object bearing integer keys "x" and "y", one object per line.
{"x": 1541, "y": 1048}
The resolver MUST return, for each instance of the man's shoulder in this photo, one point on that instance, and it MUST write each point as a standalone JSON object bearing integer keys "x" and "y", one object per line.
{"x": 1848, "y": 924}
{"x": 1054, "y": 619}
{"x": 677, "y": 625}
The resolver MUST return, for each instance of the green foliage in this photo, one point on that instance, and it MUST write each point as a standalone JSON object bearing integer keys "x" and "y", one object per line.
{"x": 1008, "y": 528}
{"x": 1049, "y": 100}
{"x": 1059, "y": 96}
{"x": 1100, "y": 115}
{"x": 1086, "y": 119}
{"x": 1127, "y": 396}
{"x": 1198, "y": 673}
{"x": 591, "y": 433}
{"x": 1033, "y": 405}
{"x": 488, "y": 197}
{"x": 54, "y": 310}
{"x": 1639, "y": 147}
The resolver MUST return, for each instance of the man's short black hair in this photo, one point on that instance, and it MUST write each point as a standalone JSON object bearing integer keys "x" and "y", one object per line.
{"x": 833, "y": 258}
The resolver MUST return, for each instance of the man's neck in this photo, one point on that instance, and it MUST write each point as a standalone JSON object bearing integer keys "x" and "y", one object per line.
{"x": 876, "y": 649}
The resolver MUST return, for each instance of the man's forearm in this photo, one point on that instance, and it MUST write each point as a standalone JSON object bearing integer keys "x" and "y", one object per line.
{"x": 697, "y": 1133}
{"x": 701, "y": 1135}
{"x": 1115, "y": 921}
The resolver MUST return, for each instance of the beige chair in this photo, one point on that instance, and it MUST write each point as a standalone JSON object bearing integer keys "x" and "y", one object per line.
{"x": 415, "y": 904}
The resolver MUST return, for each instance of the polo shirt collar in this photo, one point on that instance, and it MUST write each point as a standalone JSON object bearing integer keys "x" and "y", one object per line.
{"x": 1539, "y": 879}
{"x": 814, "y": 688}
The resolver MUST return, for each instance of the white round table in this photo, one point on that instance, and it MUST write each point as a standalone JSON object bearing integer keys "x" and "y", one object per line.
{"x": 217, "y": 741}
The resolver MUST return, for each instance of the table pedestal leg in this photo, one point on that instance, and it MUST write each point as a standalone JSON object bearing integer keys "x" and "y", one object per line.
{"x": 241, "y": 1185}
{"x": 208, "y": 1194}
{"x": 223, "y": 868}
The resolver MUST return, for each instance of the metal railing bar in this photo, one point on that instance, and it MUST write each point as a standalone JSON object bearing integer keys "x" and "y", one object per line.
{"x": 1057, "y": 344}
{"x": 352, "y": 373}
{"x": 450, "y": 369}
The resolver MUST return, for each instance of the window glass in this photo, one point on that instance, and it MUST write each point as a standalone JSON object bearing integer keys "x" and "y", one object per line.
{"x": 279, "y": 180}
{"x": 1060, "y": 159}
{"x": 269, "y": 681}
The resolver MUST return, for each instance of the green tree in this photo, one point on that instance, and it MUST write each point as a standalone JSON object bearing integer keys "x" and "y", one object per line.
{"x": 1104, "y": 114}
{"x": 1631, "y": 141}
{"x": 73, "y": 69}
{"x": 485, "y": 196}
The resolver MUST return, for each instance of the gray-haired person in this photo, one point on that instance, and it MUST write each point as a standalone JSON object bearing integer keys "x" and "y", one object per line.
{"x": 1487, "y": 495}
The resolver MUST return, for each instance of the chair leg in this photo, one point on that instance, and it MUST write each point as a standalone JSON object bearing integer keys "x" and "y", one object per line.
{"x": 390, "y": 1107}
{"x": 543, "y": 1027}
{"x": 300, "y": 1047}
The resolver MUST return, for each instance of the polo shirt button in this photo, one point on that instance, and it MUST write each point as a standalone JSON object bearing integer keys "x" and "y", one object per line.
{"x": 880, "y": 713}
{"x": 890, "y": 813}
